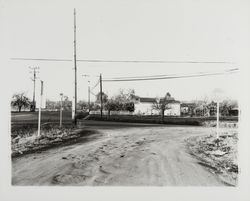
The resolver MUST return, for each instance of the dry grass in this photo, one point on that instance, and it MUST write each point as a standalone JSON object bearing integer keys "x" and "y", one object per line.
{"x": 219, "y": 155}
{"x": 26, "y": 140}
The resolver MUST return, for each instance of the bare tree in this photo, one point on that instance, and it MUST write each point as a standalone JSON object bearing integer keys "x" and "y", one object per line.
{"x": 118, "y": 105}
{"x": 82, "y": 105}
{"x": 125, "y": 96}
{"x": 104, "y": 97}
{"x": 111, "y": 105}
{"x": 52, "y": 105}
{"x": 67, "y": 104}
{"x": 162, "y": 104}
{"x": 20, "y": 100}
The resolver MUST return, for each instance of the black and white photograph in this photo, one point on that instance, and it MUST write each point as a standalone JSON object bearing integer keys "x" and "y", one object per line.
{"x": 106, "y": 95}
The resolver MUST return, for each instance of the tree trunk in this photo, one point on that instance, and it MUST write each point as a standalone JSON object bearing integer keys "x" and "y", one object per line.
{"x": 162, "y": 116}
{"x": 108, "y": 113}
{"x": 19, "y": 108}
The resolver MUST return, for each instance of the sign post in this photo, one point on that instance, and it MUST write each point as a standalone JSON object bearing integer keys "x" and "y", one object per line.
{"x": 217, "y": 93}
{"x": 39, "y": 112}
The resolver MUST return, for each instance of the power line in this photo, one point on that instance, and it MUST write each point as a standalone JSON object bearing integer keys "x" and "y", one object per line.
{"x": 166, "y": 75}
{"x": 169, "y": 77}
{"x": 145, "y": 76}
{"x": 40, "y": 59}
{"x": 92, "y": 93}
{"x": 151, "y": 61}
{"x": 95, "y": 85}
{"x": 162, "y": 78}
{"x": 125, "y": 61}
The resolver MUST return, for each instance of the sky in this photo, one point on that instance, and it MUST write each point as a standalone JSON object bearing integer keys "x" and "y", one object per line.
{"x": 177, "y": 30}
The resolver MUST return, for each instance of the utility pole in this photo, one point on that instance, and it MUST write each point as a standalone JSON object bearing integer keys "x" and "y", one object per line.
{"x": 75, "y": 68}
{"x": 34, "y": 72}
{"x": 218, "y": 117}
{"x": 89, "y": 94}
{"x": 39, "y": 113}
{"x": 61, "y": 109}
{"x": 88, "y": 91}
{"x": 101, "y": 93}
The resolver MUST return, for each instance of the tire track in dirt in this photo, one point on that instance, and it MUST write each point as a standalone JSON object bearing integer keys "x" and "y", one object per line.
{"x": 122, "y": 157}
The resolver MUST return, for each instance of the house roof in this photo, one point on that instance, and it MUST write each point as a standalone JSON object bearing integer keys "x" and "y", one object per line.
{"x": 235, "y": 108}
{"x": 187, "y": 104}
{"x": 174, "y": 101}
{"x": 147, "y": 100}
{"x": 170, "y": 100}
{"x": 153, "y": 100}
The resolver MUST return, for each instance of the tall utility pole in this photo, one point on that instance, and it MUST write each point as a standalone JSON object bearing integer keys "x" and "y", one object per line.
{"x": 218, "y": 119}
{"x": 88, "y": 91}
{"x": 89, "y": 94}
{"x": 75, "y": 67}
{"x": 39, "y": 113}
{"x": 101, "y": 93}
{"x": 61, "y": 109}
{"x": 34, "y": 72}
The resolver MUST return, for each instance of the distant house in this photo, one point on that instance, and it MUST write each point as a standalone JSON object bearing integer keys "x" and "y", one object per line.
{"x": 143, "y": 106}
{"x": 187, "y": 108}
{"x": 233, "y": 112}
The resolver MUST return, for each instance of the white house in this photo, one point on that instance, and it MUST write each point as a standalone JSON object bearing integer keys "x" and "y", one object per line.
{"x": 144, "y": 106}
{"x": 174, "y": 109}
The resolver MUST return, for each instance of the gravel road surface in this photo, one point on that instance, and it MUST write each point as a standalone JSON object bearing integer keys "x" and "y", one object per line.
{"x": 119, "y": 155}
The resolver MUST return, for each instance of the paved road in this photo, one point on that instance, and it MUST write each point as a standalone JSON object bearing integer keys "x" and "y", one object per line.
{"x": 119, "y": 155}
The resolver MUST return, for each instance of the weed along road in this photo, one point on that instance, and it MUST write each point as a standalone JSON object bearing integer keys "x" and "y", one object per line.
{"x": 119, "y": 155}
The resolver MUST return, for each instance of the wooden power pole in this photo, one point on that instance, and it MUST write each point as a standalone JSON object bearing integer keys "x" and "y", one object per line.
{"x": 75, "y": 68}
{"x": 40, "y": 108}
{"x": 89, "y": 95}
{"x": 101, "y": 93}
{"x": 34, "y": 72}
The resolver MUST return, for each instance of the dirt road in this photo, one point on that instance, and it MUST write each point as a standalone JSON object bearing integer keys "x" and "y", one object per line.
{"x": 119, "y": 156}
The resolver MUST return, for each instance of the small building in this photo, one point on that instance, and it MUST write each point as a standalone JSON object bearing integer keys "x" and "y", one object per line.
{"x": 187, "y": 109}
{"x": 233, "y": 112}
{"x": 144, "y": 106}
{"x": 174, "y": 108}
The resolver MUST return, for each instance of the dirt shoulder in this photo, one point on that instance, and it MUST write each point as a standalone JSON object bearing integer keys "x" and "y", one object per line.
{"x": 219, "y": 156}
{"x": 50, "y": 138}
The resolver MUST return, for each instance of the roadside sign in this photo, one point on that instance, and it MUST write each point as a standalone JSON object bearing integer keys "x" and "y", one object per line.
{"x": 217, "y": 96}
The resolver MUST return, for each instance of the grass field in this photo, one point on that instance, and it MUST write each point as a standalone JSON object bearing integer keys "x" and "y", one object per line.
{"x": 30, "y": 119}
{"x": 45, "y": 116}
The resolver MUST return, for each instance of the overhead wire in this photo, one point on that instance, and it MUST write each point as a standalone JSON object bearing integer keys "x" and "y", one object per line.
{"x": 166, "y": 75}
{"x": 170, "y": 77}
{"x": 98, "y": 81}
{"x": 92, "y": 93}
{"x": 125, "y": 61}
{"x": 145, "y": 76}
